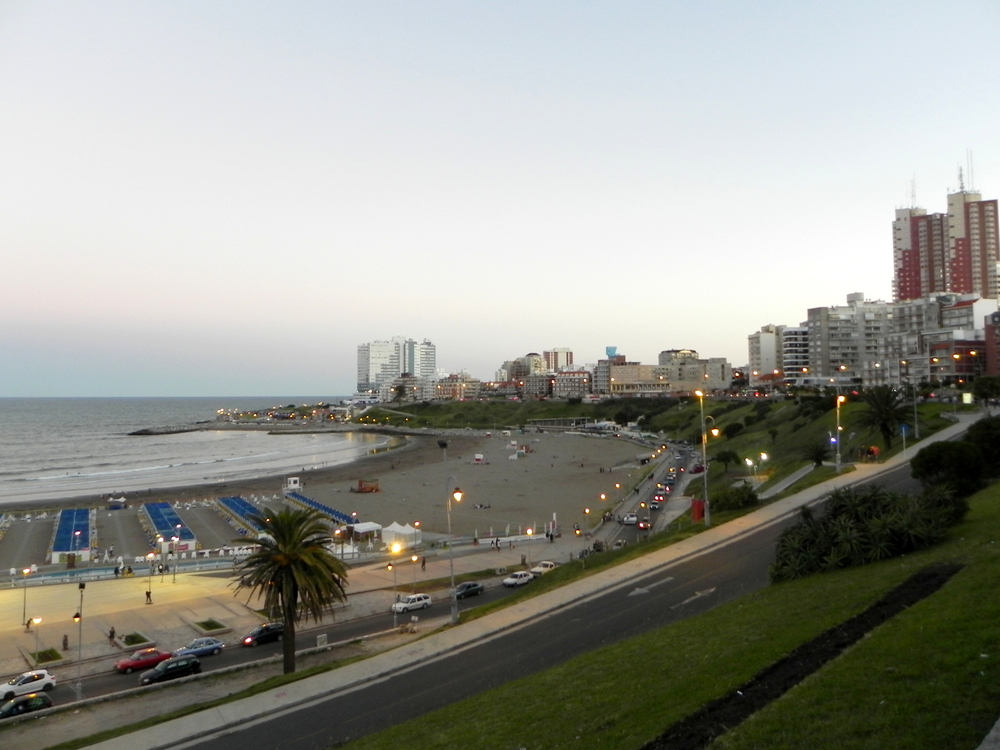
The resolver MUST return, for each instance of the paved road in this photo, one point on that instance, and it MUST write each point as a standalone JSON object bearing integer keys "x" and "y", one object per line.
{"x": 636, "y": 607}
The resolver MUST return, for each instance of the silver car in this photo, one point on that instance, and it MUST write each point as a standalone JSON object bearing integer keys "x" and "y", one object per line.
{"x": 29, "y": 682}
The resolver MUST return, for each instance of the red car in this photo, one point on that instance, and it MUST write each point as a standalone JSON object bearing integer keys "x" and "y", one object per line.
{"x": 144, "y": 658}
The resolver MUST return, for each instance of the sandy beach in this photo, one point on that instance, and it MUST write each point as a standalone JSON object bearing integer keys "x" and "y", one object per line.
{"x": 558, "y": 474}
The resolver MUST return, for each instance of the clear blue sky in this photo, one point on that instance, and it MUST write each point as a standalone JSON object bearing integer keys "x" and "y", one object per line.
{"x": 226, "y": 198}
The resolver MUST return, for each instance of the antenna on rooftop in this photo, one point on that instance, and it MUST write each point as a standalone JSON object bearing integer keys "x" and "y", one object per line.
{"x": 961, "y": 180}
{"x": 972, "y": 174}
{"x": 913, "y": 191}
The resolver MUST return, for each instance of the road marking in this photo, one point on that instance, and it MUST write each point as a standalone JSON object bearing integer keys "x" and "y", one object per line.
{"x": 697, "y": 595}
{"x": 641, "y": 590}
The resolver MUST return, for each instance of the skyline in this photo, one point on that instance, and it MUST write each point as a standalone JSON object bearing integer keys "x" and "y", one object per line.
{"x": 228, "y": 199}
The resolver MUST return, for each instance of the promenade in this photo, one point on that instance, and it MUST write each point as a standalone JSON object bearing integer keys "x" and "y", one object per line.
{"x": 119, "y": 603}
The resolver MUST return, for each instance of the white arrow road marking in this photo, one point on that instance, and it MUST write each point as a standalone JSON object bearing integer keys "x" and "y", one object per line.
{"x": 645, "y": 590}
{"x": 697, "y": 595}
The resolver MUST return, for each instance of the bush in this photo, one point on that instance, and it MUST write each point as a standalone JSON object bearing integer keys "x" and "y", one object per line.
{"x": 735, "y": 498}
{"x": 957, "y": 465}
{"x": 863, "y": 525}
{"x": 985, "y": 435}
{"x": 732, "y": 430}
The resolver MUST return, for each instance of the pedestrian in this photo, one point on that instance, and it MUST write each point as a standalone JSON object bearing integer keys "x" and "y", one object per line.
{"x": 149, "y": 596}
{"x": 27, "y": 626}
{"x": 128, "y": 571}
{"x": 111, "y": 635}
{"x": 423, "y": 564}
{"x": 116, "y": 571}
{"x": 65, "y": 643}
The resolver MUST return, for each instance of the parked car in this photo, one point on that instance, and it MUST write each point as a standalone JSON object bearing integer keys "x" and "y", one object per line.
{"x": 411, "y": 602}
{"x": 469, "y": 588}
{"x": 144, "y": 658}
{"x": 178, "y": 666}
{"x": 518, "y": 578}
{"x": 29, "y": 682}
{"x": 25, "y": 704}
{"x": 201, "y": 647}
{"x": 268, "y": 631}
{"x": 630, "y": 519}
{"x": 545, "y": 566}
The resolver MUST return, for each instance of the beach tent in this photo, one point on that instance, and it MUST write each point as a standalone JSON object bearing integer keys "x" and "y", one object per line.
{"x": 407, "y": 536}
{"x": 365, "y": 530}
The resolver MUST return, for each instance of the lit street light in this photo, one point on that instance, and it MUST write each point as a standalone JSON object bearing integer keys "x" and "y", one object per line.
{"x": 840, "y": 400}
{"x": 704, "y": 455}
{"x": 457, "y": 495}
{"x": 414, "y": 559}
{"x": 78, "y": 619}
{"x": 393, "y": 550}
{"x": 24, "y": 610}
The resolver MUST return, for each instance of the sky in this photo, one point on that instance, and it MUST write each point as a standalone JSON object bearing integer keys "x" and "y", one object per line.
{"x": 227, "y": 198}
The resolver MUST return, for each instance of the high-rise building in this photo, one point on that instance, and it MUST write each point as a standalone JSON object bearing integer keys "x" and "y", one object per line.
{"x": 381, "y": 362}
{"x": 848, "y": 343}
{"x": 764, "y": 348}
{"x": 558, "y": 359}
{"x": 953, "y": 252}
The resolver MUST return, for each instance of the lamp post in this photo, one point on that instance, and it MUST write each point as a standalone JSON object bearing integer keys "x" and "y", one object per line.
{"x": 36, "y": 621}
{"x": 704, "y": 454}
{"x": 840, "y": 400}
{"x": 457, "y": 495}
{"x": 78, "y": 619}
{"x": 393, "y": 550}
{"x": 76, "y": 545}
{"x": 414, "y": 559}
{"x": 149, "y": 586}
{"x": 175, "y": 540}
{"x": 24, "y": 610}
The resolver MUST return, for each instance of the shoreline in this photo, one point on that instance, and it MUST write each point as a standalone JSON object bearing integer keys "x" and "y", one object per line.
{"x": 558, "y": 476}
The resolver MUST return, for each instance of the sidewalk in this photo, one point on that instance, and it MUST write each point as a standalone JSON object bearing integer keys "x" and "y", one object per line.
{"x": 200, "y": 595}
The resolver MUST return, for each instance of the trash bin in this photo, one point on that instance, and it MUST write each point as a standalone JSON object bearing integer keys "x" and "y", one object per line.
{"x": 697, "y": 510}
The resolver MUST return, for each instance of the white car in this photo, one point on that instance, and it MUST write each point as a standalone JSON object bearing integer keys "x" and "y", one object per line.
{"x": 29, "y": 682}
{"x": 545, "y": 566}
{"x": 630, "y": 519}
{"x": 518, "y": 578}
{"x": 413, "y": 601}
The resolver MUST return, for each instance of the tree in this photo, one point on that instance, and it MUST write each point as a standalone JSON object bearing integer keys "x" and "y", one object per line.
{"x": 955, "y": 465}
{"x": 985, "y": 435}
{"x": 816, "y": 452}
{"x": 986, "y": 387}
{"x": 726, "y": 458}
{"x": 292, "y": 569}
{"x": 732, "y": 429}
{"x": 884, "y": 412}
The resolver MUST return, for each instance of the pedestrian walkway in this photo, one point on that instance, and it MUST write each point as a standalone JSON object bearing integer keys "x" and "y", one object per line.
{"x": 119, "y": 603}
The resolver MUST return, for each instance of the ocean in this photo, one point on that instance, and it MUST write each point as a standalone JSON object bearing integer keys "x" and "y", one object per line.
{"x": 57, "y": 448}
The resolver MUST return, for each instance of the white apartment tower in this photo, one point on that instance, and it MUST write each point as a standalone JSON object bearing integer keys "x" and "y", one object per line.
{"x": 381, "y": 362}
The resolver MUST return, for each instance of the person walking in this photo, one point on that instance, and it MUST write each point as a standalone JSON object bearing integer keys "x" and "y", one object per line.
{"x": 111, "y": 635}
{"x": 149, "y": 596}
{"x": 423, "y": 564}
{"x": 65, "y": 643}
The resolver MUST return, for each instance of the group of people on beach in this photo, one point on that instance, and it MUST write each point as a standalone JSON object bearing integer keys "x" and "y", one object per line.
{"x": 124, "y": 572}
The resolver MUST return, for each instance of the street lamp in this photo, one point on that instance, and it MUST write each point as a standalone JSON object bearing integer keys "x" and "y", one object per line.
{"x": 76, "y": 545}
{"x": 36, "y": 621}
{"x": 149, "y": 586}
{"x": 414, "y": 559}
{"x": 78, "y": 619}
{"x": 704, "y": 454}
{"x": 455, "y": 494}
{"x": 840, "y": 400}
{"x": 175, "y": 540}
{"x": 24, "y": 610}
{"x": 393, "y": 550}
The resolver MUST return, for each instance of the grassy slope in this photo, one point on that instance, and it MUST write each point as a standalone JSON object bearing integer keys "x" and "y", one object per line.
{"x": 926, "y": 679}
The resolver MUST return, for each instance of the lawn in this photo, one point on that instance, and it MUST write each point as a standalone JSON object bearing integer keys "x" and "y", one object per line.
{"x": 925, "y": 679}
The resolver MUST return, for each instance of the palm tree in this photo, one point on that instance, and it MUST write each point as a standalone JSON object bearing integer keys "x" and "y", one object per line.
{"x": 292, "y": 568}
{"x": 884, "y": 411}
{"x": 816, "y": 452}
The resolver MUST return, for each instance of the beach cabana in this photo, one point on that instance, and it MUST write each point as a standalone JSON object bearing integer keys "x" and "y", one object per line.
{"x": 406, "y": 535}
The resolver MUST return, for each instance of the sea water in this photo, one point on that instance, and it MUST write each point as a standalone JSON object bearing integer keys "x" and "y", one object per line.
{"x": 53, "y": 448}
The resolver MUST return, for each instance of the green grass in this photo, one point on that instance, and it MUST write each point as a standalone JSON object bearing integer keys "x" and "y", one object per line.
{"x": 926, "y": 679}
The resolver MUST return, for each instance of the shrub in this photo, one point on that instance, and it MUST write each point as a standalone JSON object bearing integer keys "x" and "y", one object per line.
{"x": 957, "y": 465}
{"x": 733, "y": 429}
{"x": 863, "y": 525}
{"x": 985, "y": 435}
{"x": 735, "y": 498}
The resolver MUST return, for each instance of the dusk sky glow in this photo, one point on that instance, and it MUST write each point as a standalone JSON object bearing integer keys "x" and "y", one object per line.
{"x": 227, "y": 198}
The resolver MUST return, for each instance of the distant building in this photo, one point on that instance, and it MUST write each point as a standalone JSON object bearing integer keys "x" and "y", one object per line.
{"x": 846, "y": 341}
{"x": 381, "y": 362}
{"x": 686, "y": 372}
{"x": 956, "y": 252}
{"x": 557, "y": 359}
{"x": 766, "y": 353}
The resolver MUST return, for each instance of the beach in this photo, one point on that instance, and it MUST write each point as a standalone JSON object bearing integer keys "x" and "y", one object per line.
{"x": 555, "y": 473}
